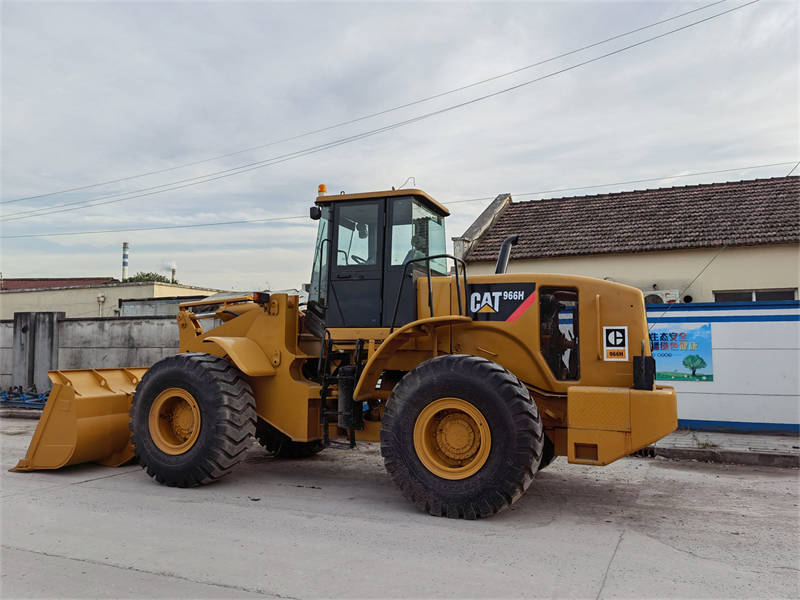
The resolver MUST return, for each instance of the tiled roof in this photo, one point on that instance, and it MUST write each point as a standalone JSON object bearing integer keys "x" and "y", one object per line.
{"x": 32, "y": 284}
{"x": 740, "y": 213}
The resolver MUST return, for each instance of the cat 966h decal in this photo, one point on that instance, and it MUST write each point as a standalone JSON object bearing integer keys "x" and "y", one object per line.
{"x": 500, "y": 301}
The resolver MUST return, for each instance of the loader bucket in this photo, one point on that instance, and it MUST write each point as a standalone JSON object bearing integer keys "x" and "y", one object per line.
{"x": 85, "y": 420}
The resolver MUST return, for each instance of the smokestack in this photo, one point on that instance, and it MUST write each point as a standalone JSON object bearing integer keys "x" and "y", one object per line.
{"x": 124, "y": 261}
{"x": 174, "y": 270}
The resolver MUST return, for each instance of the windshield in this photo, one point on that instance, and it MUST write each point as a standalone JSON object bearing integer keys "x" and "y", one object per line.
{"x": 358, "y": 234}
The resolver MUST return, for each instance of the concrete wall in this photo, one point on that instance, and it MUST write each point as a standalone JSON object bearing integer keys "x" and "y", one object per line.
{"x": 79, "y": 302}
{"x": 35, "y": 343}
{"x": 34, "y": 349}
{"x": 152, "y": 307}
{"x": 118, "y": 342}
{"x": 736, "y": 268}
{"x": 6, "y": 353}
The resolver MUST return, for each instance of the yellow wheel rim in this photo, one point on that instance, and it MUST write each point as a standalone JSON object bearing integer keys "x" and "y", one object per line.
{"x": 174, "y": 421}
{"x": 452, "y": 438}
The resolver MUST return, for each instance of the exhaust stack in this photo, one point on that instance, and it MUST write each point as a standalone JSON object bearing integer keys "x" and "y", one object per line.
{"x": 124, "y": 261}
{"x": 505, "y": 254}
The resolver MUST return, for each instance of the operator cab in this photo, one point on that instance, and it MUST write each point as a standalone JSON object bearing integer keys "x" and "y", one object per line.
{"x": 363, "y": 244}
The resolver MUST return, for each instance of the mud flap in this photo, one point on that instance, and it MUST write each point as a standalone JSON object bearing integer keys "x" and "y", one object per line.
{"x": 85, "y": 420}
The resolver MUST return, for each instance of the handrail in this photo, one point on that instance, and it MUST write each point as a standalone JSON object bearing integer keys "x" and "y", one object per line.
{"x": 322, "y": 369}
{"x": 329, "y": 265}
{"x": 206, "y": 302}
{"x": 428, "y": 259}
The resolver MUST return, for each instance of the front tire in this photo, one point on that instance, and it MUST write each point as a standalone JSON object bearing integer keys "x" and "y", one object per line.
{"x": 191, "y": 419}
{"x": 461, "y": 437}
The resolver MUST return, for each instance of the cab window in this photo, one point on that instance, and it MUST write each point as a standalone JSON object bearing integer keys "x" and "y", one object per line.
{"x": 417, "y": 232}
{"x": 558, "y": 330}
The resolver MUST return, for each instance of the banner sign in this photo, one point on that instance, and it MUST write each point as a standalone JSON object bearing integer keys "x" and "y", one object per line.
{"x": 682, "y": 351}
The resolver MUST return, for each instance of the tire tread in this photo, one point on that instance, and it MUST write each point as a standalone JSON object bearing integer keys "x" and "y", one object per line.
{"x": 234, "y": 419}
{"x": 525, "y": 454}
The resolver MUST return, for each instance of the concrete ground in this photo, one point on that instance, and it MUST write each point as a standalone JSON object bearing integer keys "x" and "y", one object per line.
{"x": 334, "y": 526}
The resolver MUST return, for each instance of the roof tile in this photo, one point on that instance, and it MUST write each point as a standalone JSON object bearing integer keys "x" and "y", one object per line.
{"x": 43, "y": 283}
{"x": 740, "y": 213}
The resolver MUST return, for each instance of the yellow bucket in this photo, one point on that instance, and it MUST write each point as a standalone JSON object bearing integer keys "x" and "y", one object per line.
{"x": 85, "y": 420}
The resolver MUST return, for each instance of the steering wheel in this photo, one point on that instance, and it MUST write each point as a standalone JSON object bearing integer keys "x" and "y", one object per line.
{"x": 358, "y": 260}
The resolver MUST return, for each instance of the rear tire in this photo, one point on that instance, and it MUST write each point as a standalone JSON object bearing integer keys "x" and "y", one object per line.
{"x": 461, "y": 437}
{"x": 192, "y": 419}
{"x": 281, "y": 445}
{"x": 548, "y": 453}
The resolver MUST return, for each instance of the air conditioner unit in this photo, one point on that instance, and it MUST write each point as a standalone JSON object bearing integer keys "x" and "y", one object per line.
{"x": 661, "y": 296}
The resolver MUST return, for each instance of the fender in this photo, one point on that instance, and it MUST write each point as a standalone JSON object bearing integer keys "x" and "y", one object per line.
{"x": 374, "y": 367}
{"x": 245, "y": 354}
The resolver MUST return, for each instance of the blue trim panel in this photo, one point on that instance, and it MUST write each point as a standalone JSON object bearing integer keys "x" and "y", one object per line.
{"x": 728, "y": 319}
{"x": 780, "y": 311}
{"x": 737, "y": 426}
{"x": 725, "y": 305}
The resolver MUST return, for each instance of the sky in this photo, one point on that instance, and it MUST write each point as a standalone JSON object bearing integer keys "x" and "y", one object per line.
{"x": 111, "y": 92}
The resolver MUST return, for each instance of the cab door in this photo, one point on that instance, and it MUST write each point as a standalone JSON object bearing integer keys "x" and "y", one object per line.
{"x": 355, "y": 293}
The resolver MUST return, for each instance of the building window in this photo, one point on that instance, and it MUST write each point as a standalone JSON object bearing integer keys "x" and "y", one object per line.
{"x": 755, "y": 295}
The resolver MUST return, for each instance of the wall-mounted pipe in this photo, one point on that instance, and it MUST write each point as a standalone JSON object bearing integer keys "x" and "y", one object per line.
{"x": 505, "y": 254}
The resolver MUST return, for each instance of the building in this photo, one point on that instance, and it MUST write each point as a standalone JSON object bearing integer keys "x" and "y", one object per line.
{"x": 729, "y": 251}
{"x": 656, "y": 240}
{"x": 85, "y": 296}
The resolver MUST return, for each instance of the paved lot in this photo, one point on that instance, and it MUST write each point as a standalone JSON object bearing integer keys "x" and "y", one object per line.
{"x": 335, "y": 527}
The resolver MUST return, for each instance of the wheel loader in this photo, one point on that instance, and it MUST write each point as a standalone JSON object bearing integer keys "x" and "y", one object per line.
{"x": 471, "y": 383}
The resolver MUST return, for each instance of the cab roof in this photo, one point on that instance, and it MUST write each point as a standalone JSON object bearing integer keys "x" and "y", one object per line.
{"x": 418, "y": 194}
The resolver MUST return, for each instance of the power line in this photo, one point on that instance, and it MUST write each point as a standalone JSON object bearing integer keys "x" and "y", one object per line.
{"x": 11, "y": 237}
{"x": 440, "y": 95}
{"x": 587, "y": 187}
{"x": 204, "y": 178}
{"x": 240, "y": 222}
{"x": 319, "y": 148}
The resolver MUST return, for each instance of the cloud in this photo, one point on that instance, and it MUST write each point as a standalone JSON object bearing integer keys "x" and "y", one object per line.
{"x": 102, "y": 91}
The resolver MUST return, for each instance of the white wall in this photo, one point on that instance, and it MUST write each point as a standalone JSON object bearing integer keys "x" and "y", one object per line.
{"x": 78, "y": 302}
{"x": 756, "y": 360}
{"x": 736, "y": 268}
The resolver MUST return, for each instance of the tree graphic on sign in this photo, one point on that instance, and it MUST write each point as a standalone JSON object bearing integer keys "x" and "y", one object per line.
{"x": 694, "y": 362}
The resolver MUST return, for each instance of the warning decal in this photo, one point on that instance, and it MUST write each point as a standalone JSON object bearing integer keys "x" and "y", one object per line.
{"x": 500, "y": 301}
{"x": 615, "y": 343}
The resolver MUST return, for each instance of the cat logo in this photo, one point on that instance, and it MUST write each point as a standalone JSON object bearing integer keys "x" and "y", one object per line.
{"x": 615, "y": 344}
{"x": 489, "y": 302}
{"x": 500, "y": 301}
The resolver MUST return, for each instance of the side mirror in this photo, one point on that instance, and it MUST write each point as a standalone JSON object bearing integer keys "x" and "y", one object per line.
{"x": 316, "y": 213}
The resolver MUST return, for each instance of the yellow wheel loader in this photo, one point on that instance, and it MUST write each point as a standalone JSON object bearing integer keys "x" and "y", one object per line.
{"x": 470, "y": 383}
